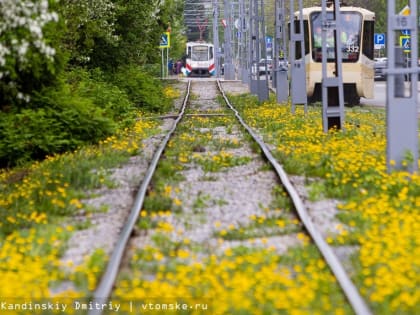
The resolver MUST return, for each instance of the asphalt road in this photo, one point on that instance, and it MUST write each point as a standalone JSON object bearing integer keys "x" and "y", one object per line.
{"x": 380, "y": 96}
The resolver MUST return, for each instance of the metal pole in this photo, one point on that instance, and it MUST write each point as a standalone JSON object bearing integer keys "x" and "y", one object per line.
{"x": 162, "y": 67}
{"x": 257, "y": 86}
{"x": 402, "y": 124}
{"x": 242, "y": 42}
{"x": 167, "y": 62}
{"x": 280, "y": 71}
{"x": 332, "y": 83}
{"x": 234, "y": 35}
{"x": 216, "y": 37}
{"x": 276, "y": 43}
{"x": 229, "y": 68}
{"x": 297, "y": 60}
{"x": 264, "y": 41}
{"x": 253, "y": 87}
{"x": 257, "y": 36}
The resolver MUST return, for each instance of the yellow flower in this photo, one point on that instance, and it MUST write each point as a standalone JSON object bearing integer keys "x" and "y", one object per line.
{"x": 177, "y": 202}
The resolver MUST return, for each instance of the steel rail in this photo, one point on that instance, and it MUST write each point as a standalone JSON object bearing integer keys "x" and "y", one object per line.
{"x": 103, "y": 291}
{"x": 357, "y": 302}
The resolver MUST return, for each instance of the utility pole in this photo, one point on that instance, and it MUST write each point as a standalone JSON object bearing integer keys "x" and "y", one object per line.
{"x": 332, "y": 86}
{"x": 280, "y": 70}
{"x": 229, "y": 71}
{"x": 216, "y": 37}
{"x": 402, "y": 128}
{"x": 258, "y": 86}
{"x": 297, "y": 58}
{"x": 244, "y": 69}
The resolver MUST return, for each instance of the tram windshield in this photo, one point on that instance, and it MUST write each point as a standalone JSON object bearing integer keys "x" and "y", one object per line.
{"x": 200, "y": 53}
{"x": 350, "y": 37}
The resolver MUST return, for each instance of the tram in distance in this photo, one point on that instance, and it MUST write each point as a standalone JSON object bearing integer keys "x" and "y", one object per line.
{"x": 200, "y": 59}
{"x": 357, "y": 46}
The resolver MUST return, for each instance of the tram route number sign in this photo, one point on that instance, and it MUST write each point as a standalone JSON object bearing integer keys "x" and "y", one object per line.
{"x": 379, "y": 40}
{"x": 165, "y": 40}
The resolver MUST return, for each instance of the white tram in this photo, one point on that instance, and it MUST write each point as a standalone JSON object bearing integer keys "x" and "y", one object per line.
{"x": 200, "y": 59}
{"x": 357, "y": 45}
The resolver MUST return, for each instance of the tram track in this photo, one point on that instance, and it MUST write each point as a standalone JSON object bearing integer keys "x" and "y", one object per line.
{"x": 350, "y": 290}
{"x": 105, "y": 287}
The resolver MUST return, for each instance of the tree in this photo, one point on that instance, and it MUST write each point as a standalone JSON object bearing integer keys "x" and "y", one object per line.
{"x": 89, "y": 24}
{"x": 172, "y": 17}
{"x": 107, "y": 34}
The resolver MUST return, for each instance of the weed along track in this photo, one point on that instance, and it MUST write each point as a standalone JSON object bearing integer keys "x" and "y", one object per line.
{"x": 217, "y": 228}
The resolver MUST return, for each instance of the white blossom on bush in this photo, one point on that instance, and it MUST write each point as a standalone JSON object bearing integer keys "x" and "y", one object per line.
{"x": 21, "y": 27}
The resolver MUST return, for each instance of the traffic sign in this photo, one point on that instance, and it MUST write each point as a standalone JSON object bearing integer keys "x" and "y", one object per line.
{"x": 268, "y": 42}
{"x": 379, "y": 40}
{"x": 165, "y": 40}
{"x": 405, "y": 11}
{"x": 405, "y": 43}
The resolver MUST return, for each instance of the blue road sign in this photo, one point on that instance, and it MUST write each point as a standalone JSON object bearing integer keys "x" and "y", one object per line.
{"x": 165, "y": 40}
{"x": 405, "y": 43}
{"x": 379, "y": 39}
{"x": 405, "y": 32}
{"x": 268, "y": 41}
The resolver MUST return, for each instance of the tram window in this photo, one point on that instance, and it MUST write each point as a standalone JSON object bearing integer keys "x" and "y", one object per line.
{"x": 368, "y": 46}
{"x": 211, "y": 52}
{"x": 200, "y": 53}
{"x": 349, "y": 37}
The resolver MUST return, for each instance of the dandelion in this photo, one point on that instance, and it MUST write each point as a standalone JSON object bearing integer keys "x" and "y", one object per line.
{"x": 167, "y": 191}
{"x": 182, "y": 254}
{"x": 177, "y": 202}
{"x": 280, "y": 223}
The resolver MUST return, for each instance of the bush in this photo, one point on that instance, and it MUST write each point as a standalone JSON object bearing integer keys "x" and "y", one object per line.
{"x": 144, "y": 90}
{"x": 81, "y": 108}
{"x": 59, "y": 120}
{"x": 114, "y": 101}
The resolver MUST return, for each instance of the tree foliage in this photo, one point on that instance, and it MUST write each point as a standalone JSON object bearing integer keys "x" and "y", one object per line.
{"x": 112, "y": 33}
{"x": 72, "y": 71}
{"x": 87, "y": 23}
{"x": 35, "y": 35}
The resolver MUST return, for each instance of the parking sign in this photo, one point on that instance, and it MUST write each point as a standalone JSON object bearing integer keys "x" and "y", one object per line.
{"x": 379, "y": 40}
